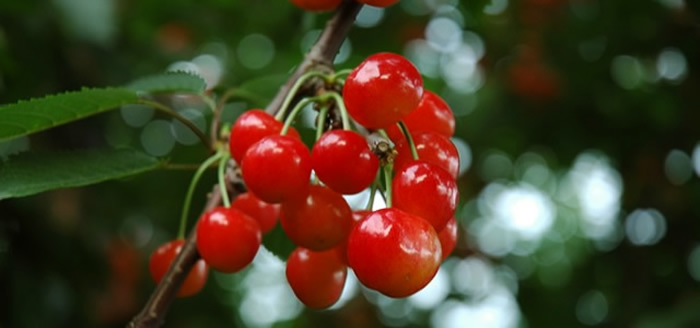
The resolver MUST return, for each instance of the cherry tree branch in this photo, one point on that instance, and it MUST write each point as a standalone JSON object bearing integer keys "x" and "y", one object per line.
{"x": 320, "y": 56}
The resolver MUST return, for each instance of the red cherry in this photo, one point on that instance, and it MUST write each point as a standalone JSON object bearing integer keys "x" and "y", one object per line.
{"x": 164, "y": 256}
{"x": 317, "y": 5}
{"x": 425, "y": 190}
{"x": 317, "y": 278}
{"x": 266, "y": 214}
{"x": 432, "y": 114}
{"x": 343, "y": 161}
{"x": 432, "y": 148}
{"x": 250, "y": 127}
{"x": 394, "y": 252}
{"x": 448, "y": 237}
{"x": 277, "y": 168}
{"x": 382, "y": 90}
{"x": 342, "y": 249}
{"x": 228, "y": 239}
{"x": 379, "y": 3}
{"x": 320, "y": 221}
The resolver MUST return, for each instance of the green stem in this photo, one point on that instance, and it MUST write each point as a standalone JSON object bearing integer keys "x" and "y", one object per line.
{"x": 295, "y": 112}
{"x": 190, "y": 191}
{"x": 409, "y": 139}
{"x": 222, "y": 180}
{"x": 295, "y": 88}
{"x": 321, "y": 121}
{"x": 373, "y": 190}
{"x": 387, "y": 182}
{"x": 343, "y": 111}
{"x": 169, "y": 111}
{"x": 340, "y": 73}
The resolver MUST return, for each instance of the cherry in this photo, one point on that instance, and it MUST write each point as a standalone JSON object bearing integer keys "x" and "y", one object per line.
{"x": 382, "y": 90}
{"x": 432, "y": 114}
{"x": 379, "y": 3}
{"x": 432, "y": 148}
{"x": 228, "y": 239}
{"x": 277, "y": 168}
{"x": 343, "y": 161}
{"x": 317, "y": 5}
{"x": 163, "y": 257}
{"x": 394, "y": 252}
{"x": 342, "y": 249}
{"x": 266, "y": 214}
{"x": 317, "y": 278}
{"x": 250, "y": 127}
{"x": 425, "y": 190}
{"x": 448, "y": 237}
{"x": 320, "y": 221}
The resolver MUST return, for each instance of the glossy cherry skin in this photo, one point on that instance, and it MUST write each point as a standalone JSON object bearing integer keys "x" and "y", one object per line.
{"x": 320, "y": 221}
{"x": 277, "y": 168}
{"x": 317, "y": 278}
{"x": 249, "y": 128}
{"x": 425, "y": 190}
{"x": 228, "y": 239}
{"x": 432, "y": 114}
{"x": 394, "y": 252}
{"x": 164, "y": 256}
{"x": 379, "y": 3}
{"x": 317, "y": 5}
{"x": 343, "y": 161}
{"x": 448, "y": 238}
{"x": 432, "y": 148}
{"x": 342, "y": 249}
{"x": 382, "y": 90}
{"x": 265, "y": 213}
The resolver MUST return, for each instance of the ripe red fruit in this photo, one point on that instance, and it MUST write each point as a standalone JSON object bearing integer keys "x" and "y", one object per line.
{"x": 432, "y": 148}
{"x": 266, "y": 214}
{"x": 228, "y": 239}
{"x": 382, "y": 90}
{"x": 448, "y": 237}
{"x": 317, "y": 278}
{"x": 320, "y": 221}
{"x": 379, "y": 3}
{"x": 342, "y": 249}
{"x": 250, "y": 127}
{"x": 160, "y": 263}
{"x": 425, "y": 190}
{"x": 394, "y": 252}
{"x": 277, "y": 168}
{"x": 317, "y": 5}
{"x": 432, "y": 114}
{"x": 343, "y": 161}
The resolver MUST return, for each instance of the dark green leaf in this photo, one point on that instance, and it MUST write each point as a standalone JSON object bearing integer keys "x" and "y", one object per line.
{"x": 35, "y": 115}
{"x": 277, "y": 242}
{"x": 31, "y": 173}
{"x": 169, "y": 82}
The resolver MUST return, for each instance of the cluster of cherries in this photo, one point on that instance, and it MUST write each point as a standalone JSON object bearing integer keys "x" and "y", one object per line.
{"x": 328, "y": 5}
{"x": 396, "y": 250}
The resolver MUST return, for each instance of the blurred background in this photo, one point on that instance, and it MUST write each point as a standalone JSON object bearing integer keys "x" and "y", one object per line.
{"x": 578, "y": 127}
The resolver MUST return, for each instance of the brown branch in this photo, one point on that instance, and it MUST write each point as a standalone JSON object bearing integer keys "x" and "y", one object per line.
{"x": 321, "y": 55}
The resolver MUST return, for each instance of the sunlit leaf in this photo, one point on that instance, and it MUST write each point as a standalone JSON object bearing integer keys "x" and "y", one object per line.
{"x": 169, "y": 82}
{"x": 26, "y": 117}
{"x": 31, "y": 173}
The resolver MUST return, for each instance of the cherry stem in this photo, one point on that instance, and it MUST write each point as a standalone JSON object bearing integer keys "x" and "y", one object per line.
{"x": 341, "y": 106}
{"x": 297, "y": 109}
{"x": 409, "y": 139}
{"x": 373, "y": 192}
{"x": 321, "y": 121}
{"x": 388, "y": 168}
{"x": 222, "y": 179}
{"x": 190, "y": 191}
{"x": 337, "y": 76}
{"x": 171, "y": 112}
{"x": 295, "y": 89}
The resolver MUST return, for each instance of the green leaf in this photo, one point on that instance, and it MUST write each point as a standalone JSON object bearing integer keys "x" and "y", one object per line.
{"x": 277, "y": 242}
{"x": 169, "y": 82}
{"x": 31, "y": 173}
{"x": 35, "y": 115}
